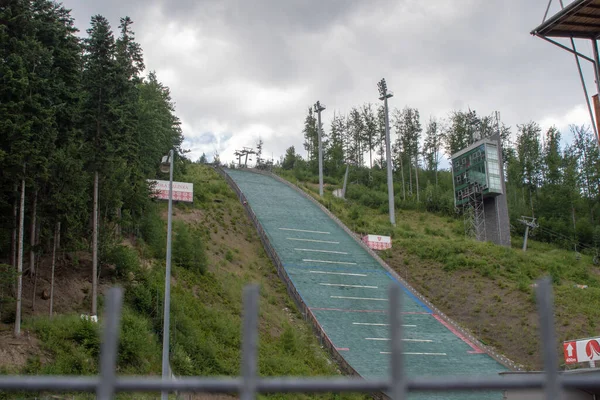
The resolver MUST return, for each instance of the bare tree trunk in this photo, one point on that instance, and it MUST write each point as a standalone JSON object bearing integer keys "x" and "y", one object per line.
{"x": 95, "y": 247}
{"x": 370, "y": 154}
{"x": 56, "y": 240}
{"x": 410, "y": 176}
{"x": 402, "y": 172}
{"x": 436, "y": 170}
{"x": 118, "y": 224}
{"x": 37, "y": 262}
{"x": 20, "y": 259}
{"x": 32, "y": 235}
{"x": 417, "y": 175}
{"x": 13, "y": 242}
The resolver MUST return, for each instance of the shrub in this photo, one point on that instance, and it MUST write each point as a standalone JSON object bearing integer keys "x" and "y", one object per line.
{"x": 188, "y": 248}
{"x": 154, "y": 232}
{"x": 138, "y": 347}
{"x": 125, "y": 259}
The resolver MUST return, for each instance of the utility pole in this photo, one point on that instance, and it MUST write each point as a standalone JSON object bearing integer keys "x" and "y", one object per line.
{"x": 167, "y": 166}
{"x": 385, "y": 95}
{"x": 529, "y": 223}
{"x": 318, "y": 108}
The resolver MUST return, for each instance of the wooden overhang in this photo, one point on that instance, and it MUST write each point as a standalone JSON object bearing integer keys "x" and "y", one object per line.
{"x": 580, "y": 19}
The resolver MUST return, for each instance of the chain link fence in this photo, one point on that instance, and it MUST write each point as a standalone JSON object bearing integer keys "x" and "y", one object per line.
{"x": 249, "y": 384}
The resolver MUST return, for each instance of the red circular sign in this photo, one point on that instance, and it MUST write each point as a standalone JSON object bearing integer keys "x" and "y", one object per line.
{"x": 592, "y": 348}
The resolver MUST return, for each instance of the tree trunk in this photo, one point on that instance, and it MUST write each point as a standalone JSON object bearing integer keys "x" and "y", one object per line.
{"x": 36, "y": 262}
{"x": 95, "y": 247}
{"x": 410, "y": 176}
{"x": 417, "y": 175}
{"x": 13, "y": 242}
{"x": 118, "y": 224}
{"x": 56, "y": 240}
{"x": 20, "y": 259}
{"x": 32, "y": 234}
{"x": 402, "y": 173}
{"x": 437, "y": 162}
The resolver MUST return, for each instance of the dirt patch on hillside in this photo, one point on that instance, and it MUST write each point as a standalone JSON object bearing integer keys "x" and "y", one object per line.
{"x": 494, "y": 310}
{"x": 14, "y": 352}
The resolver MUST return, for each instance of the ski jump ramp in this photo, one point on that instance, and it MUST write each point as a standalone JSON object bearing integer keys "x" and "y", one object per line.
{"x": 344, "y": 288}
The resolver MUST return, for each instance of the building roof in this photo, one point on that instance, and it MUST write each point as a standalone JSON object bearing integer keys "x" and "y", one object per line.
{"x": 580, "y": 19}
{"x": 493, "y": 140}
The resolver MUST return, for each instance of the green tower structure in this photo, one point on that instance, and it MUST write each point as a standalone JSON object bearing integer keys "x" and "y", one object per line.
{"x": 479, "y": 189}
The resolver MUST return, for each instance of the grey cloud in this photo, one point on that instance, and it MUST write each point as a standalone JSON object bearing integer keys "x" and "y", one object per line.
{"x": 435, "y": 55}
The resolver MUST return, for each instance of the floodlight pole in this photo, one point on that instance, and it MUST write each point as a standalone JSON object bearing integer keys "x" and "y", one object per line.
{"x": 318, "y": 108}
{"x": 167, "y": 310}
{"x": 385, "y": 95}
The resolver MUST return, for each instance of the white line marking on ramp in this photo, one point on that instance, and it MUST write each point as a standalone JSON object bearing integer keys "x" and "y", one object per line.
{"x": 322, "y": 251}
{"x": 357, "y": 298}
{"x": 313, "y": 240}
{"x": 343, "y": 285}
{"x": 336, "y": 273}
{"x": 329, "y": 262}
{"x": 303, "y": 230}
{"x": 373, "y": 324}
{"x": 416, "y": 354}
{"x": 404, "y": 340}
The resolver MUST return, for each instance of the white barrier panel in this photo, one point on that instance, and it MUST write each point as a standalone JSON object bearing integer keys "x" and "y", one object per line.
{"x": 378, "y": 242}
{"x": 182, "y": 191}
{"x": 582, "y": 350}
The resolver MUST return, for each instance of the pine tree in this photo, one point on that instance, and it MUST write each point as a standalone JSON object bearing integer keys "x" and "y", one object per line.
{"x": 552, "y": 157}
{"x": 335, "y": 151}
{"x": 356, "y": 129}
{"x": 99, "y": 86}
{"x": 370, "y": 130}
{"x": 431, "y": 147}
{"x": 311, "y": 143}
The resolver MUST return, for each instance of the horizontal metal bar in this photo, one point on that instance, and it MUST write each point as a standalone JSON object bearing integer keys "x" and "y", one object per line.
{"x": 290, "y": 384}
{"x": 35, "y": 383}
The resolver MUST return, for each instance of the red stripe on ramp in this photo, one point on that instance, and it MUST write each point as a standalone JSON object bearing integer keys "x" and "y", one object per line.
{"x": 476, "y": 350}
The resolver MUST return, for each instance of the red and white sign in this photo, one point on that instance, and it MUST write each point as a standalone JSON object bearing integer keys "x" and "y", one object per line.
{"x": 583, "y": 350}
{"x": 182, "y": 191}
{"x": 378, "y": 242}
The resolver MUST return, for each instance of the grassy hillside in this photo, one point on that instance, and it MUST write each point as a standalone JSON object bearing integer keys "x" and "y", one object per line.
{"x": 486, "y": 288}
{"x": 216, "y": 252}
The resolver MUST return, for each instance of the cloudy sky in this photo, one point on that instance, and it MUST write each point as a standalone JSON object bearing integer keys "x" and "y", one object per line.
{"x": 240, "y": 69}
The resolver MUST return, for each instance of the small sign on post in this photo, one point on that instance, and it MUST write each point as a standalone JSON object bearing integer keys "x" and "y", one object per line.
{"x": 378, "y": 242}
{"x": 182, "y": 191}
{"x": 582, "y": 350}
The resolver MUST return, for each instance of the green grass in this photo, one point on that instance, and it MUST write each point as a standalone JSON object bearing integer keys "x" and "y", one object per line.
{"x": 206, "y": 303}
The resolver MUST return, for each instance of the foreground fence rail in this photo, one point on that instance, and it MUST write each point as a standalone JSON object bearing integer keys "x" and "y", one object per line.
{"x": 249, "y": 384}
